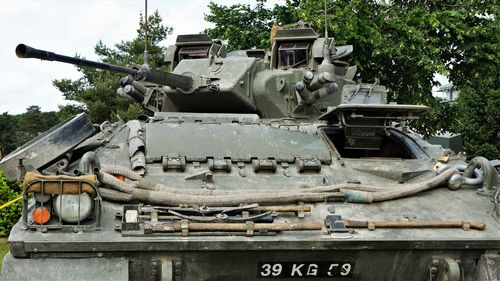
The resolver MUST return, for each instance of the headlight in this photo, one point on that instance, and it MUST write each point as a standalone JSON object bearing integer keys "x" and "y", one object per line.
{"x": 66, "y": 206}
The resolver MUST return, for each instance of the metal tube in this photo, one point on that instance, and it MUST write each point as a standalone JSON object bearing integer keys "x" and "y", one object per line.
{"x": 129, "y": 90}
{"x": 88, "y": 162}
{"x": 414, "y": 224}
{"x": 25, "y": 51}
{"x": 139, "y": 73}
{"x": 275, "y": 227}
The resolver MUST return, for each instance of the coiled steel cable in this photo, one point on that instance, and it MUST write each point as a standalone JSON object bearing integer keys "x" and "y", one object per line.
{"x": 160, "y": 194}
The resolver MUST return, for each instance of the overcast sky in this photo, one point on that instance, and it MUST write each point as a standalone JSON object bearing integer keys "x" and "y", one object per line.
{"x": 70, "y": 27}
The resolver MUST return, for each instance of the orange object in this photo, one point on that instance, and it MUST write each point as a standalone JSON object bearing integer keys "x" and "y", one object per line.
{"x": 41, "y": 215}
{"x": 120, "y": 177}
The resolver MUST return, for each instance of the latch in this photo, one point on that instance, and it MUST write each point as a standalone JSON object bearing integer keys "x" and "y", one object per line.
{"x": 205, "y": 175}
{"x": 286, "y": 170}
{"x": 308, "y": 164}
{"x": 264, "y": 165}
{"x": 173, "y": 162}
{"x": 241, "y": 169}
{"x": 219, "y": 164}
{"x": 335, "y": 223}
{"x": 130, "y": 218}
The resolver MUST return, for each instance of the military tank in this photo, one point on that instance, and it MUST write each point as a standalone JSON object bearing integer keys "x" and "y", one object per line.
{"x": 251, "y": 165}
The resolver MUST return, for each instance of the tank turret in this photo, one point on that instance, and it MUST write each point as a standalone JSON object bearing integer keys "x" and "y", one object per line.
{"x": 301, "y": 77}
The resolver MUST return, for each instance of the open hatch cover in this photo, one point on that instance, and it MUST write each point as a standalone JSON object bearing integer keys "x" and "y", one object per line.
{"x": 365, "y": 125}
{"x": 375, "y": 111}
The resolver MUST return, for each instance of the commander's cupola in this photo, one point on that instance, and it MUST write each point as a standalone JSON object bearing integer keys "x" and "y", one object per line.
{"x": 293, "y": 48}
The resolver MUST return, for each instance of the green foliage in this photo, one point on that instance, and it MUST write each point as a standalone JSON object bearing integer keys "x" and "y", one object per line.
{"x": 246, "y": 27}
{"x": 133, "y": 111}
{"x": 8, "y": 137}
{"x": 19, "y": 129}
{"x": 34, "y": 122}
{"x": 475, "y": 73}
{"x": 10, "y": 214}
{"x": 479, "y": 120}
{"x": 442, "y": 118}
{"x": 67, "y": 111}
{"x": 95, "y": 92}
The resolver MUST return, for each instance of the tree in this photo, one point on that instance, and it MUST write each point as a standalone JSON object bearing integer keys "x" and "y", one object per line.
{"x": 19, "y": 129}
{"x": 479, "y": 119}
{"x": 68, "y": 111}
{"x": 34, "y": 122}
{"x": 9, "y": 215}
{"x": 404, "y": 44}
{"x": 8, "y": 137}
{"x": 246, "y": 27}
{"x": 475, "y": 57}
{"x": 132, "y": 112}
{"x": 95, "y": 92}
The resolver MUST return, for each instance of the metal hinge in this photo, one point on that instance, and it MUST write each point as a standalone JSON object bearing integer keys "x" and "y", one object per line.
{"x": 264, "y": 165}
{"x": 308, "y": 164}
{"x": 219, "y": 164}
{"x": 173, "y": 162}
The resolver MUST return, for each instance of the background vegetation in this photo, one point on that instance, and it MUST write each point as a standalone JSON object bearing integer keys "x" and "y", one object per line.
{"x": 9, "y": 215}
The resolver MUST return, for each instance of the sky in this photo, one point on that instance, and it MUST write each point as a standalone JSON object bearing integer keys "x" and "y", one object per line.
{"x": 69, "y": 27}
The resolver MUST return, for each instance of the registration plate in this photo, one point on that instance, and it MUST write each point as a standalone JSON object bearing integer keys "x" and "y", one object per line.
{"x": 305, "y": 269}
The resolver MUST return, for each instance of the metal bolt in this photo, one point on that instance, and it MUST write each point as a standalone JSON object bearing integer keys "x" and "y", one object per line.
{"x": 99, "y": 255}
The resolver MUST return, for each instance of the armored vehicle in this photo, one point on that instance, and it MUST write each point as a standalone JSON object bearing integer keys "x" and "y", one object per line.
{"x": 251, "y": 165}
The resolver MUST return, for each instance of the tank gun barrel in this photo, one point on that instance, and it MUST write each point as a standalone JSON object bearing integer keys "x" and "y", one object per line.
{"x": 25, "y": 51}
{"x": 138, "y": 73}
